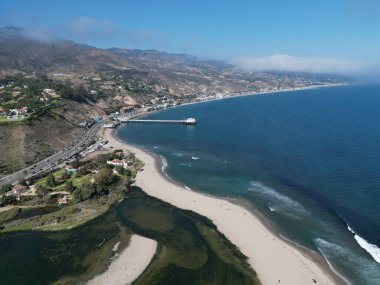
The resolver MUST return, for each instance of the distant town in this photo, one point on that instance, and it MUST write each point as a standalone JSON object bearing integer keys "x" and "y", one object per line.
{"x": 18, "y": 104}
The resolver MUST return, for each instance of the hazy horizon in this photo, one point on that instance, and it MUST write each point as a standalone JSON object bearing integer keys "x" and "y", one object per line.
{"x": 297, "y": 36}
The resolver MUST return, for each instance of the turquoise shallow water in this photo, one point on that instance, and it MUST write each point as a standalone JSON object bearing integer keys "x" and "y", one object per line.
{"x": 308, "y": 160}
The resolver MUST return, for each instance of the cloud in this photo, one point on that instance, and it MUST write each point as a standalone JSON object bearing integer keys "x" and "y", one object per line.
{"x": 91, "y": 28}
{"x": 284, "y": 62}
{"x": 187, "y": 44}
{"x": 101, "y": 32}
{"x": 88, "y": 29}
{"x": 146, "y": 38}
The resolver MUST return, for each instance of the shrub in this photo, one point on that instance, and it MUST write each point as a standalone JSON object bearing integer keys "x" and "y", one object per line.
{"x": 50, "y": 180}
{"x": 5, "y": 188}
{"x": 69, "y": 186}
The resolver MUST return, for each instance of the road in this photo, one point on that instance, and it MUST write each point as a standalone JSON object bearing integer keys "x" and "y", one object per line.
{"x": 57, "y": 158}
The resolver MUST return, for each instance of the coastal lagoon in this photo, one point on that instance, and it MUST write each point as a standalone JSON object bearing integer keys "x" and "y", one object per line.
{"x": 308, "y": 161}
{"x": 75, "y": 256}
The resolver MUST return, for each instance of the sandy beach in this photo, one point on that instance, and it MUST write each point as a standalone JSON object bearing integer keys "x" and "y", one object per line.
{"x": 129, "y": 265}
{"x": 275, "y": 260}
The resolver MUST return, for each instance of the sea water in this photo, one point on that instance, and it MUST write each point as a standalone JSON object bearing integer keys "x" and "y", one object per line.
{"x": 309, "y": 161}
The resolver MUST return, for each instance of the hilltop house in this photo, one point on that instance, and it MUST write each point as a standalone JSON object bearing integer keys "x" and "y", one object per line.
{"x": 118, "y": 162}
{"x": 17, "y": 190}
{"x": 21, "y": 111}
{"x": 48, "y": 91}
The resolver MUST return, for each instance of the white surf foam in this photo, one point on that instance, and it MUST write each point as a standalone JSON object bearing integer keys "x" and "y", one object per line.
{"x": 188, "y": 188}
{"x": 195, "y": 158}
{"x": 281, "y": 201}
{"x": 164, "y": 164}
{"x": 372, "y": 249}
{"x": 324, "y": 246}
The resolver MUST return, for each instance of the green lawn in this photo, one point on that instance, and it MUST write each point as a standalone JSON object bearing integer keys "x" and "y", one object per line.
{"x": 5, "y": 120}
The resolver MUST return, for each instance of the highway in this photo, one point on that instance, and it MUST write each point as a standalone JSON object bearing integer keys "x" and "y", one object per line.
{"x": 57, "y": 158}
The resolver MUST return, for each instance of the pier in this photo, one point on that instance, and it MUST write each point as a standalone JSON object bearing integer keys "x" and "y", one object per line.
{"x": 188, "y": 121}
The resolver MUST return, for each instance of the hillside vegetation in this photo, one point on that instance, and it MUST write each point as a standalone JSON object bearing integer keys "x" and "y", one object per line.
{"x": 86, "y": 81}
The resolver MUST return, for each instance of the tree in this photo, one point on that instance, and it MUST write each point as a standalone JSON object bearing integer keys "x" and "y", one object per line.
{"x": 84, "y": 192}
{"x": 75, "y": 164}
{"x": 50, "y": 180}
{"x": 69, "y": 186}
{"x": 42, "y": 190}
{"x": 103, "y": 178}
{"x": 82, "y": 171}
{"x": 5, "y": 188}
{"x": 6, "y": 200}
{"x": 131, "y": 156}
{"x": 65, "y": 175}
{"x": 102, "y": 158}
{"x": 121, "y": 170}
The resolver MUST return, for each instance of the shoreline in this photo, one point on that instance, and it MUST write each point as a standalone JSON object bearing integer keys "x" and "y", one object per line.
{"x": 236, "y": 95}
{"x": 289, "y": 264}
{"x": 129, "y": 264}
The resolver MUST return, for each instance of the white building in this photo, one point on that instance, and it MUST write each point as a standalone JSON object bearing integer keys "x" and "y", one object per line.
{"x": 118, "y": 162}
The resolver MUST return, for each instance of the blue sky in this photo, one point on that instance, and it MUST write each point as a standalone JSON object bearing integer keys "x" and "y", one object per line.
{"x": 347, "y": 32}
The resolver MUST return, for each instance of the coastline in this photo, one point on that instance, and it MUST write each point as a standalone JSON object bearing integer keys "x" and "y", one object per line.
{"x": 237, "y": 95}
{"x": 273, "y": 258}
{"x": 129, "y": 264}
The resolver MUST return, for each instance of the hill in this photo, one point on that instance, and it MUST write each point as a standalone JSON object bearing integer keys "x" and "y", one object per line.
{"x": 142, "y": 72}
{"x": 90, "y": 81}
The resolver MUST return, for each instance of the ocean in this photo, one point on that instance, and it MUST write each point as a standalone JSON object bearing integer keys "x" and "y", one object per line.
{"x": 308, "y": 161}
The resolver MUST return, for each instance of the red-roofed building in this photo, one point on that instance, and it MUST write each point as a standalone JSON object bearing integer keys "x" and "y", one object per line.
{"x": 17, "y": 190}
{"x": 22, "y": 111}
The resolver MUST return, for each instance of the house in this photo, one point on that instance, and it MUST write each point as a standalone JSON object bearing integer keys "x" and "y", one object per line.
{"x": 23, "y": 110}
{"x": 48, "y": 91}
{"x": 20, "y": 111}
{"x": 71, "y": 171}
{"x": 118, "y": 162}
{"x": 17, "y": 190}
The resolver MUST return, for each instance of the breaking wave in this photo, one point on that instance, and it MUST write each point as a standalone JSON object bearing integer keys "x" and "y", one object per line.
{"x": 366, "y": 268}
{"x": 164, "y": 164}
{"x": 372, "y": 249}
{"x": 278, "y": 201}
